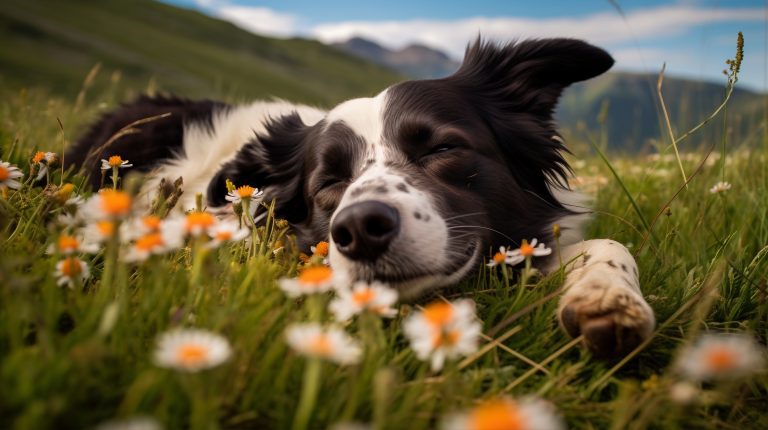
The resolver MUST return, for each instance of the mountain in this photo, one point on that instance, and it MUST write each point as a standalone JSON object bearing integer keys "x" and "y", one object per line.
{"x": 416, "y": 61}
{"x": 632, "y": 120}
{"x": 53, "y": 44}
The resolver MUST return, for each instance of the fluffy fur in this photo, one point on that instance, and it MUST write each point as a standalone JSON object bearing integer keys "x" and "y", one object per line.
{"x": 412, "y": 186}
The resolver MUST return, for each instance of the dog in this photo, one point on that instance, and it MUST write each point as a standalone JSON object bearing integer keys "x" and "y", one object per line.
{"x": 412, "y": 186}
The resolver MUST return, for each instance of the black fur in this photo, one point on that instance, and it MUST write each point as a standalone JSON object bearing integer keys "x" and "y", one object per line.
{"x": 484, "y": 136}
{"x": 157, "y": 140}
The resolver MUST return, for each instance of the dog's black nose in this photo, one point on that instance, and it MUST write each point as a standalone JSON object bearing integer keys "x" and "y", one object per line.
{"x": 363, "y": 231}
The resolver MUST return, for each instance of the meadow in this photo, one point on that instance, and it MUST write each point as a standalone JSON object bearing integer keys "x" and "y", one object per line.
{"x": 85, "y": 353}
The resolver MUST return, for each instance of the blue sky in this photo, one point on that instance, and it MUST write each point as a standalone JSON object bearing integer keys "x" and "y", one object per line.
{"x": 693, "y": 37}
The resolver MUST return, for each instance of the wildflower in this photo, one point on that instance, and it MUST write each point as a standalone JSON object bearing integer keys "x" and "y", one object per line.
{"x": 313, "y": 279}
{"x": 108, "y": 204}
{"x": 134, "y": 423}
{"x": 527, "y": 250}
{"x": 375, "y": 297}
{"x": 332, "y": 344}
{"x": 68, "y": 245}
{"x": 443, "y": 330}
{"x": 507, "y": 414}
{"x": 197, "y": 222}
{"x": 721, "y": 356}
{"x": 191, "y": 350}
{"x": 99, "y": 231}
{"x": 226, "y": 232}
{"x": 245, "y": 192}
{"x": 114, "y": 162}
{"x": 683, "y": 392}
{"x": 43, "y": 160}
{"x": 720, "y": 187}
{"x": 141, "y": 226}
{"x": 500, "y": 258}
{"x": 70, "y": 271}
{"x": 167, "y": 237}
{"x": 320, "y": 249}
{"x": 9, "y": 175}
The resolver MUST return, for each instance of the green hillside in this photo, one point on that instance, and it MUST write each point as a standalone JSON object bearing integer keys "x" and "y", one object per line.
{"x": 53, "y": 44}
{"x": 632, "y": 110}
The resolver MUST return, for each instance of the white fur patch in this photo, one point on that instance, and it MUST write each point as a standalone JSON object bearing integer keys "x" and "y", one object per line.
{"x": 207, "y": 149}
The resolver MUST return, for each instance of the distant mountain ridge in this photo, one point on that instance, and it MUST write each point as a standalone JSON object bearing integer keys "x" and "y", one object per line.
{"x": 632, "y": 121}
{"x": 415, "y": 60}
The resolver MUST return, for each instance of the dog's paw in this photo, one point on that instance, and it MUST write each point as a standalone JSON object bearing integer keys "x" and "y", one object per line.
{"x": 613, "y": 318}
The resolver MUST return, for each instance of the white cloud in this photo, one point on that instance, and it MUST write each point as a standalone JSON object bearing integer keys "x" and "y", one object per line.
{"x": 602, "y": 28}
{"x": 260, "y": 20}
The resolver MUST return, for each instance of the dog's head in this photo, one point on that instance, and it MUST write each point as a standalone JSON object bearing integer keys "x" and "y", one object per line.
{"x": 412, "y": 186}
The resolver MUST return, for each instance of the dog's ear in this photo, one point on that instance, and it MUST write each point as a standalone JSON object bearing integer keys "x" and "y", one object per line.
{"x": 530, "y": 75}
{"x": 515, "y": 88}
{"x": 272, "y": 161}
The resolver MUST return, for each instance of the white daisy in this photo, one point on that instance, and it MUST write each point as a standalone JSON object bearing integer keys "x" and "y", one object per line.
{"x": 9, "y": 175}
{"x": 720, "y": 187}
{"x": 168, "y": 237}
{"x": 134, "y": 423}
{"x": 114, "y": 162}
{"x": 226, "y": 231}
{"x": 245, "y": 192}
{"x": 502, "y": 257}
{"x": 70, "y": 271}
{"x": 443, "y": 330}
{"x": 107, "y": 204}
{"x": 332, "y": 344}
{"x": 527, "y": 250}
{"x": 721, "y": 356}
{"x": 197, "y": 223}
{"x": 191, "y": 350}
{"x": 311, "y": 280}
{"x": 507, "y": 414}
{"x": 374, "y": 297}
{"x": 68, "y": 245}
{"x": 98, "y": 231}
{"x": 43, "y": 160}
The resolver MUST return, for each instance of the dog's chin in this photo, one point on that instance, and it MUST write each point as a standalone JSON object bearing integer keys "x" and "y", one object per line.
{"x": 411, "y": 286}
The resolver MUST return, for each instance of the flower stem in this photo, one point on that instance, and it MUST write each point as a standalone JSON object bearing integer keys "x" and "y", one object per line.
{"x": 309, "y": 392}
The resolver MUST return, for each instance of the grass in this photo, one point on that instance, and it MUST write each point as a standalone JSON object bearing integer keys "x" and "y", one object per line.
{"x": 72, "y": 358}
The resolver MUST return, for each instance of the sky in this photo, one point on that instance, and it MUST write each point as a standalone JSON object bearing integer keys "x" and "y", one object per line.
{"x": 692, "y": 37}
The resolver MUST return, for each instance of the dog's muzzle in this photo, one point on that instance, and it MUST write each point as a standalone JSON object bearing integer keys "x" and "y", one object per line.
{"x": 363, "y": 231}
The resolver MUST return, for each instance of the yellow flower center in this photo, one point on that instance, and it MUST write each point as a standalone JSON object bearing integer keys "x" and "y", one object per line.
{"x": 71, "y": 267}
{"x": 39, "y": 156}
{"x": 115, "y": 203}
{"x": 321, "y": 248}
{"x": 720, "y": 359}
{"x": 151, "y": 222}
{"x": 363, "y": 297}
{"x": 223, "y": 235}
{"x": 320, "y": 345}
{"x": 245, "y": 192}
{"x": 438, "y": 313}
{"x": 499, "y": 257}
{"x": 115, "y": 161}
{"x": 105, "y": 228}
{"x": 192, "y": 354}
{"x": 148, "y": 242}
{"x": 312, "y": 276}
{"x": 65, "y": 191}
{"x": 526, "y": 249}
{"x": 4, "y": 173}
{"x": 201, "y": 220}
{"x": 496, "y": 415}
{"x": 68, "y": 243}
{"x": 448, "y": 338}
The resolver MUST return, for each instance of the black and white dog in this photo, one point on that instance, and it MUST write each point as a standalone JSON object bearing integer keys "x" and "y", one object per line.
{"x": 412, "y": 186}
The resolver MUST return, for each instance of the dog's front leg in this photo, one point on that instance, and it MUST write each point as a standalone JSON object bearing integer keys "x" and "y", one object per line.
{"x": 602, "y": 299}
